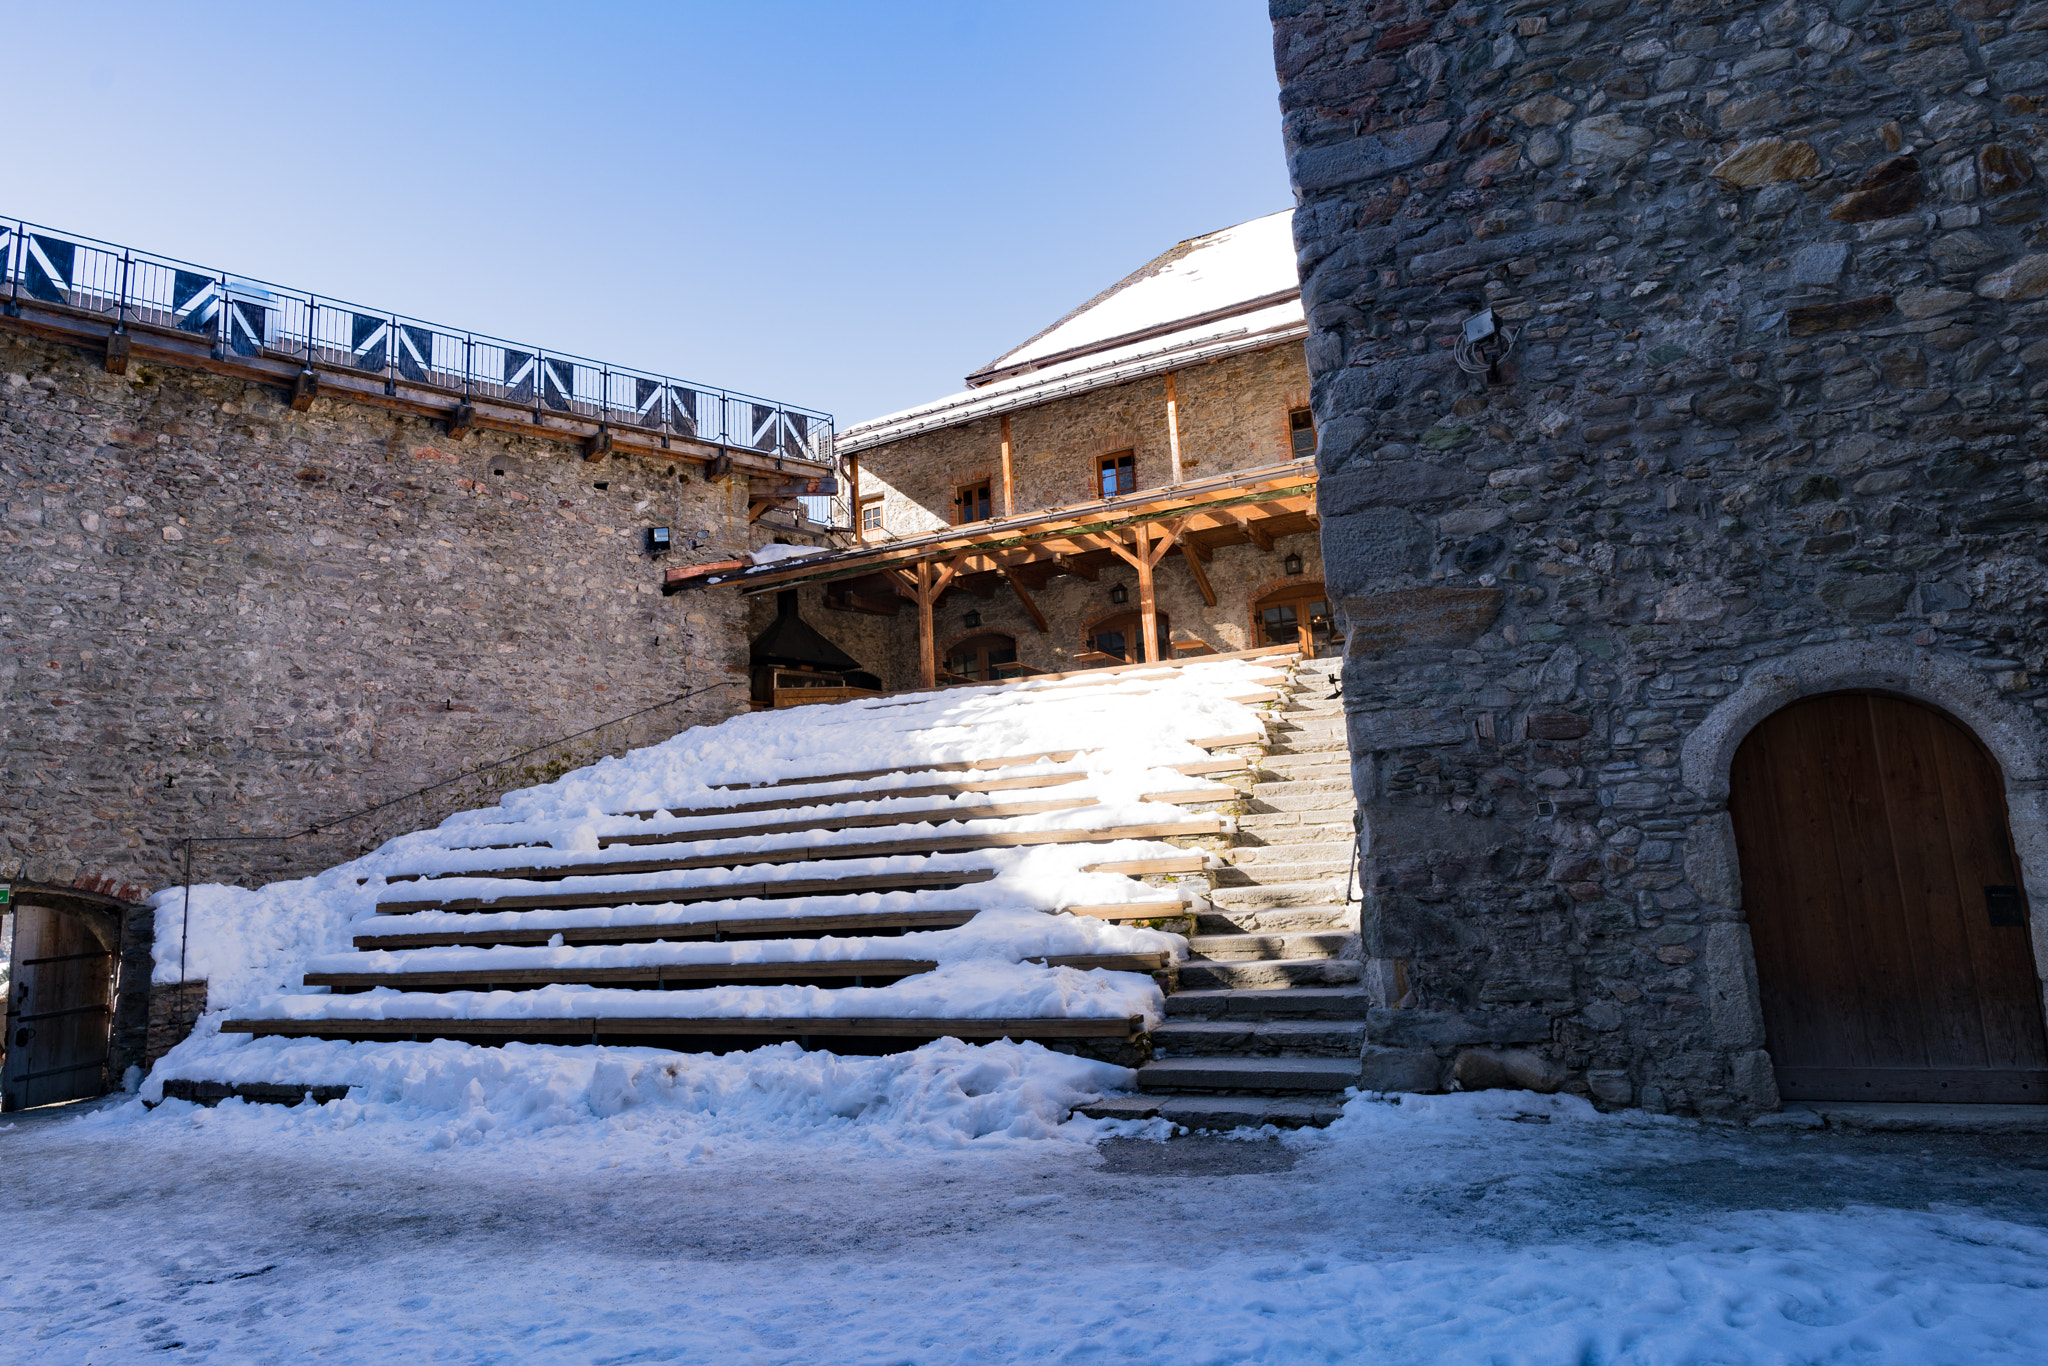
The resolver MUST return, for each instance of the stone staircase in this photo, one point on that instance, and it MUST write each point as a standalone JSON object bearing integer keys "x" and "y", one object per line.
{"x": 1268, "y": 1023}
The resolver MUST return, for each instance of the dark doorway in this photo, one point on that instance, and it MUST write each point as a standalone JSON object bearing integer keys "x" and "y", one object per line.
{"x": 60, "y": 1009}
{"x": 978, "y": 659}
{"x": 1122, "y": 639}
{"x": 1882, "y": 893}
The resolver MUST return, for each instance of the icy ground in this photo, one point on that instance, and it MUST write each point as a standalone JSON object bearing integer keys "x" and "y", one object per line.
{"x": 1479, "y": 1229}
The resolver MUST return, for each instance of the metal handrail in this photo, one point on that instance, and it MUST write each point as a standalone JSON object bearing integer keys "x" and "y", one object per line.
{"x": 245, "y": 316}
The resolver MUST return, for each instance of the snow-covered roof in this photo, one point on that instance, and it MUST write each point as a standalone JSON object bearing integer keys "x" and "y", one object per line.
{"x": 1210, "y": 297}
{"x": 1219, "y": 272}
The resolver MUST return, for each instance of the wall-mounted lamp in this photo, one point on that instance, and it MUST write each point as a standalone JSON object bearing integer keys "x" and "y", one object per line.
{"x": 972, "y": 620}
{"x": 657, "y": 541}
{"x": 1293, "y": 565}
{"x": 1119, "y": 595}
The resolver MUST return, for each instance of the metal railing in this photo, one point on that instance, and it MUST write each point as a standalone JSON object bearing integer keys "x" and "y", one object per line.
{"x": 248, "y": 317}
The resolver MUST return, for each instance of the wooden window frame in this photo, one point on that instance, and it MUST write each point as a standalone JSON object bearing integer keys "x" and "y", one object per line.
{"x": 872, "y": 500}
{"x": 1314, "y": 435}
{"x": 983, "y": 482}
{"x": 1290, "y": 595}
{"x": 1096, "y": 464}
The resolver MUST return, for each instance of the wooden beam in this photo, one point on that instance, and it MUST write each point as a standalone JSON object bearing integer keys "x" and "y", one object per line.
{"x": 798, "y": 1026}
{"x": 1189, "y": 553}
{"x": 853, "y": 497}
{"x": 1148, "y": 602}
{"x": 1009, "y": 488}
{"x": 1030, "y": 607}
{"x": 712, "y": 891}
{"x": 1260, "y": 538}
{"x": 1173, "y": 427}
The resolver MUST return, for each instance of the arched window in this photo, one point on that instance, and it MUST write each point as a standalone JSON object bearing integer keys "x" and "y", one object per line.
{"x": 1121, "y": 637}
{"x": 1278, "y": 618}
{"x": 981, "y": 658}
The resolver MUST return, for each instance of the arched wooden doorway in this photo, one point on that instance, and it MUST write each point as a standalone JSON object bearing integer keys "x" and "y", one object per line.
{"x": 1883, "y": 898}
{"x": 1279, "y": 616}
{"x": 983, "y": 657}
{"x": 1122, "y": 637}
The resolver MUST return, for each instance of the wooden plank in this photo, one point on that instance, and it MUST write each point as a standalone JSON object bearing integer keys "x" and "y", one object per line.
{"x": 723, "y": 891}
{"x": 787, "y": 927}
{"x": 1009, "y": 488}
{"x": 1143, "y": 867}
{"x": 1135, "y": 910}
{"x": 1231, "y": 764}
{"x": 1215, "y": 792}
{"x": 693, "y": 974}
{"x": 917, "y": 816}
{"x": 871, "y": 795}
{"x": 1193, "y": 558}
{"x": 1045, "y": 756}
{"x": 1173, "y": 432}
{"x": 585, "y": 1028}
{"x": 944, "y": 844}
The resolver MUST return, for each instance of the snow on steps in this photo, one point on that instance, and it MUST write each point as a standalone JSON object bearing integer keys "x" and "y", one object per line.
{"x": 792, "y": 904}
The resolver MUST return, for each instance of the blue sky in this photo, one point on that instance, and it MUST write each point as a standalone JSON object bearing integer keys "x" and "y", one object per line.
{"x": 844, "y": 205}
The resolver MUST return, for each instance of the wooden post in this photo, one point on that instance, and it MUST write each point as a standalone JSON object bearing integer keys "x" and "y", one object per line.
{"x": 1009, "y": 489}
{"x": 1173, "y": 426}
{"x": 860, "y": 535}
{"x": 926, "y": 586}
{"x": 1148, "y": 606}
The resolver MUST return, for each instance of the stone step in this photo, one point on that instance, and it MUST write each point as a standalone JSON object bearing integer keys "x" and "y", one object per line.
{"x": 1280, "y": 798}
{"x": 1291, "y": 827}
{"x": 1268, "y": 1038}
{"x": 1337, "y": 787}
{"x": 1219, "y": 1113}
{"x": 1248, "y": 1074}
{"x": 1291, "y": 844}
{"x": 1294, "y": 1003}
{"x": 1245, "y": 948}
{"x": 1306, "y": 918}
{"x": 1203, "y": 974}
{"x": 1330, "y": 872}
{"x": 1274, "y": 895}
{"x": 1323, "y": 764}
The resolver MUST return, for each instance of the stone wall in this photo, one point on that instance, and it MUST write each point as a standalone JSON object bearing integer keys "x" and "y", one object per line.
{"x": 1778, "y": 301}
{"x": 1232, "y": 415}
{"x": 224, "y": 616}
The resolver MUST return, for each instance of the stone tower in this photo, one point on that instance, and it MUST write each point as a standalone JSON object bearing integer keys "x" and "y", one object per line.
{"x": 1759, "y": 419}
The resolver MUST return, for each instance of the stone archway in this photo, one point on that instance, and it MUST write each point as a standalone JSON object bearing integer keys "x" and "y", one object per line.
{"x": 2014, "y": 739}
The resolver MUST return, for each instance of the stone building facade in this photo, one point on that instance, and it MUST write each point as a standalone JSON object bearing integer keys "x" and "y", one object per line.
{"x": 1158, "y": 368}
{"x": 1764, "y": 423}
{"x": 225, "y": 616}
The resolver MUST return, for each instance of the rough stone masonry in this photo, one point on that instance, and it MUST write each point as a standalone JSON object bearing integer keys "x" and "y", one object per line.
{"x": 1776, "y": 287}
{"x": 220, "y": 615}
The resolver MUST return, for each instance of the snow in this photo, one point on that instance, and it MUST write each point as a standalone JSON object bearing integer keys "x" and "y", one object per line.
{"x": 936, "y": 1207}
{"x": 252, "y": 947}
{"x": 1209, "y": 273}
{"x": 774, "y": 554}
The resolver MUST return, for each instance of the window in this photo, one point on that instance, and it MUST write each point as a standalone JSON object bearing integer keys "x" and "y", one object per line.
{"x": 971, "y": 503}
{"x": 1280, "y": 617}
{"x": 1301, "y": 433}
{"x": 982, "y": 658}
{"x": 1122, "y": 638}
{"x": 1116, "y": 473}
{"x": 871, "y": 514}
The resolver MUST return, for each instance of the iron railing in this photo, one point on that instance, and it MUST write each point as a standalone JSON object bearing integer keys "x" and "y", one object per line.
{"x": 248, "y": 317}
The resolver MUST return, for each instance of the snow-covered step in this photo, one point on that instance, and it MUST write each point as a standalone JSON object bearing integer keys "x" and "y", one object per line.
{"x": 1296, "y": 1003}
{"x": 1196, "y": 1037}
{"x": 1219, "y": 1113}
{"x": 1239, "y": 948}
{"x": 574, "y": 864}
{"x": 690, "y": 1033}
{"x": 1198, "y": 974}
{"x": 664, "y": 976}
{"x": 1249, "y": 1074}
{"x": 396, "y": 933}
{"x": 511, "y": 895}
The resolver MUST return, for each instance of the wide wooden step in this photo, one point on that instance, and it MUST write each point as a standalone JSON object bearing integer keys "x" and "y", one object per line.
{"x": 865, "y": 923}
{"x": 812, "y": 853}
{"x": 692, "y": 975}
{"x": 957, "y": 789}
{"x": 588, "y": 1029}
{"x": 766, "y": 890}
{"x": 924, "y": 815}
{"x": 974, "y": 765}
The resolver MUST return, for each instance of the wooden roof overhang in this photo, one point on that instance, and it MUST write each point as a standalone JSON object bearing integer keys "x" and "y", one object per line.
{"x": 1255, "y": 506}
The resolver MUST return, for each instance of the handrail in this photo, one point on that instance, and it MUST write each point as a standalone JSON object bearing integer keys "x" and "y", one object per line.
{"x": 245, "y": 316}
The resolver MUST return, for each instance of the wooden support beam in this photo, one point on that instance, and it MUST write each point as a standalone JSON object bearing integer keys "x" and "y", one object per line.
{"x": 1069, "y": 565}
{"x": 1260, "y": 537}
{"x": 1030, "y": 607}
{"x": 1173, "y": 428}
{"x": 860, "y": 536}
{"x": 1148, "y": 601}
{"x": 931, "y": 581}
{"x": 1009, "y": 488}
{"x": 1194, "y": 557}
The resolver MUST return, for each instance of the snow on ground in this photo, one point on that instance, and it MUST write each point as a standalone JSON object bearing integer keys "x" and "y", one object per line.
{"x": 932, "y": 1208}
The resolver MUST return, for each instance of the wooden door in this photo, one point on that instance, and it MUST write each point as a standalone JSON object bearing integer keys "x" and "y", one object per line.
{"x": 59, "y": 1010}
{"x": 1884, "y": 900}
